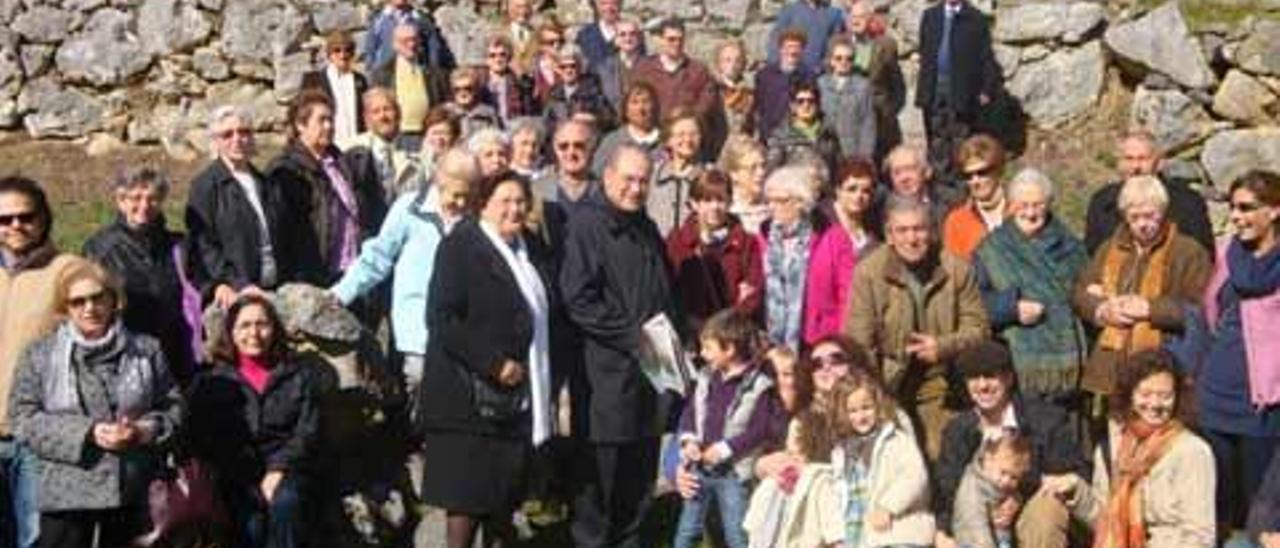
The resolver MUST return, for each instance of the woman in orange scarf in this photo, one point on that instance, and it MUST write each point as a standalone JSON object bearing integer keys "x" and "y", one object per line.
{"x": 1153, "y": 479}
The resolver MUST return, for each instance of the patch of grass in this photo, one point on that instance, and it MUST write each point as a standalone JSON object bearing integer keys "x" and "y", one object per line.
{"x": 1204, "y": 15}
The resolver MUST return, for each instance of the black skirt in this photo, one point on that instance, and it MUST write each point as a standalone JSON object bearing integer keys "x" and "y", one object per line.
{"x": 474, "y": 474}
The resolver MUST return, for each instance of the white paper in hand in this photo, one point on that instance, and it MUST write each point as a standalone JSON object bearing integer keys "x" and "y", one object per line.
{"x": 662, "y": 358}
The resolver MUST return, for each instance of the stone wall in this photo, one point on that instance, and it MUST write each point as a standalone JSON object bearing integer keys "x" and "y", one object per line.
{"x": 147, "y": 71}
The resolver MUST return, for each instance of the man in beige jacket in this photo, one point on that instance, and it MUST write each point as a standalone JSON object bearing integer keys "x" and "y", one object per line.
{"x": 913, "y": 308}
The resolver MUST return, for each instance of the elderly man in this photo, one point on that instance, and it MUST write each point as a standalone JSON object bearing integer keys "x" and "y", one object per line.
{"x": 615, "y": 70}
{"x": 876, "y": 55}
{"x": 576, "y": 91}
{"x": 510, "y": 93}
{"x": 915, "y": 308}
{"x": 571, "y": 186}
{"x": 431, "y": 48}
{"x": 910, "y": 176}
{"x": 614, "y": 279}
{"x": 340, "y": 81}
{"x": 817, "y": 19}
{"x": 599, "y": 40}
{"x": 398, "y": 171}
{"x": 958, "y": 75}
{"x": 417, "y": 86}
{"x": 774, "y": 81}
{"x": 681, "y": 82}
{"x": 1138, "y": 154}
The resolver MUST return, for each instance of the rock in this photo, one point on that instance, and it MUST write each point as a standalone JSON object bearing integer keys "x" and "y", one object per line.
{"x": 104, "y": 54}
{"x": 211, "y": 5}
{"x": 259, "y": 31}
{"x": 167, "y": 26}
{"x": 289, "y": 71}
{"x": 1160, "y": 41}
{"x": 1035, "y": 52}
{"x": 36, "y": 58}
{"x": 904, "y": 16}
{"x": 310, "y": 310}
{"x": 338, "y": 16}
{"x": 1069, "y": 22}
{"x": 102, "y": 144}
{"x": 170, "y": 80}
{"x": 1260, "y": 52}
{"x": 1244, "y": 99}
{"x": 1007, "y": 57}
{"x": 83, "y": 6}
{"x": 1040, "y": 85}
{"x": 9, "y": 9}
{"x": 9, "y": 113}
{"x": 733, "y": 12}
{"x": 1230, "y": 154}
{"x": 56, "y": 112}
{"x": 10, "y": 69}
{"x": 210, "y": 65}
{"x": 44, "y": 24}
{"x": 1173, "y": 118}
{"x": 755, "y": 37}
{"x": 459, "y": 28}
{"x": 683, "y": 9}
{"x": 260, "y": 101}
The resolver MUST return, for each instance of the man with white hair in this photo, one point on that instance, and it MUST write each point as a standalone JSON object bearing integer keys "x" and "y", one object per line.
{"x": 577, "y": 90}
{"x": 432, "y": 49}
{"x": 397, "y": 171}
{"x": 911, "y": 177}
{"x": 615, "y": 70}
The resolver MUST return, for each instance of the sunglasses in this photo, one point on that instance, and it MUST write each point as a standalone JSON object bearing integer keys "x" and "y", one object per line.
{"x": 1242, "y": 207}
{"x": 343, "y": 49}
{"x": 841, "y": 58}
{"x": 805, "y": 101}
{"x": 569, "y": 66}
{"x": 571, "y": 145}
{"x": 237, "y": 132}
{"x": 837, "y": 359}
{"x": 25, "y": 218}
{"x": 984, "y": 172}
{"x": 499, "y": 55}
{"x": 100, "y": 297}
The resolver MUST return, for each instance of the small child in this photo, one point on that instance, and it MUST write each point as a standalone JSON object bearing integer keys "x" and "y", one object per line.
{"x": 797, "y": 503}
{"x": 880, "y": 470}
{"x": 725, "y": 424}
{"x": 989, "y": 482}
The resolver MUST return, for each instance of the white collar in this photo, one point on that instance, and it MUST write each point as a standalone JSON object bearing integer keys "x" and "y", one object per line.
{"x": 1008, "y": 422}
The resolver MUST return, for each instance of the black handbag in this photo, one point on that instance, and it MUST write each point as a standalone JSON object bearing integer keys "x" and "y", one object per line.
{"x": 496, "y": 403}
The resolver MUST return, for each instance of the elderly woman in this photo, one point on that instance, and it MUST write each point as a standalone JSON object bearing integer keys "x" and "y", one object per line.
{"x": 441, "y": 132}
{"x": 1238, "y": 386}
{"x": 486, "y": 394}
{"x": 539, "y": 61}
{"x": 405, "y": 250}
{"x": 334, "y": 204}
{"x": 577, "y": 90}
{"x": 528, "y": 140}
{"x": 253, "y": 417}
{"x": 804, "y": 133}
{"x": 743, "y": 159}
{"x": 142, "y": 251}
{"x": 1025, "y": 270}
{"x": 237, "y": 226}
{"x": 676, "y": 170}
{"x": 639, "y": 126}
{"x": 787, "y": 241}
{"x": 473, "y": 114}
{"x": 1153, "y": 478}
{"x": 492, "y": 150}
{"x": 838, "y": 249}
{"x": 847, "y": 101}
{"x": 96, "y": 404}
{"x": 1137, "y": 287}
{"x": 980, "y": 159}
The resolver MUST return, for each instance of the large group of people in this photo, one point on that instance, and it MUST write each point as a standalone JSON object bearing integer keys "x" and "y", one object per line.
{"x": 873, "y": 343}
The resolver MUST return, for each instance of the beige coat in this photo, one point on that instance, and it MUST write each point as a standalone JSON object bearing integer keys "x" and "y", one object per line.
{"x": 899, "y": 485}
{"x": 811, "y": 515}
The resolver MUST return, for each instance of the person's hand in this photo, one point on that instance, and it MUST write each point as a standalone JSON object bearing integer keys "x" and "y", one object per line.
{"x": 879, "y": 520}
{"x": 923, "y": 347}
{"x": 270, "y": 483}
{"x": 107, "y": 435}
{"x": 983, "y": 99}
{"x": 1135, "y": 307}
{"x": 224, "y": 296}
{"x": 715, "y": 454}
{"x": 943, "y": 540}
{"x": 1111, "y": 314}
{"x": 511, "y": 373}
{"x": 686, "y": 483}
{"x": 690, "y": 452}
{"x": 1270, "y": 540}
{"x": 1029, "y": 312}
{"x": 745, "y": 291}
{"x": 787, "y": 479}
{"x": 1005, "y": 514}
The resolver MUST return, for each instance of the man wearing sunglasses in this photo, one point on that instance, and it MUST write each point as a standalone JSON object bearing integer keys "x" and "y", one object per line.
{"x": 30, "y": 268}
{"x": 342, "y": 83}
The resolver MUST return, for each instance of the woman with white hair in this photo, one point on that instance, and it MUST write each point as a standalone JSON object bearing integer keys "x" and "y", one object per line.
{"x": 786, "y": 240}
{"x": 1138, "y": 284}
{"x": 1025, "y": 269}
{"x": 492, "y": 149}
{"x": 235, "y": 216}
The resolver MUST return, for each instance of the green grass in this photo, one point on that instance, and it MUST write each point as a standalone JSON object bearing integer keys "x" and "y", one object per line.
{"x": 1209, "y": 14}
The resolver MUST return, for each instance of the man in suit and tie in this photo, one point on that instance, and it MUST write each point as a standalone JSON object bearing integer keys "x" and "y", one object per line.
{"x": 597, "y": 39}
{"x": 958, "y": 76}
{"x": 417, "y": 87}
{"x": 398, "y": 171}
{"x": 340, "y": 81}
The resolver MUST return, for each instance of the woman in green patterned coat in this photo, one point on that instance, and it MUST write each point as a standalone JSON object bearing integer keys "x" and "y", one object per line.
{"x": 1026, "y": 270}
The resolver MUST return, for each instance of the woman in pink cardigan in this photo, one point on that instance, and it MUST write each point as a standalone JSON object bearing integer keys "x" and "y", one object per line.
{"x": 838, "y": 249}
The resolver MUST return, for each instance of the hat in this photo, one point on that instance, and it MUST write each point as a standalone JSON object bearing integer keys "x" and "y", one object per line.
{"x": 989, "y": 358}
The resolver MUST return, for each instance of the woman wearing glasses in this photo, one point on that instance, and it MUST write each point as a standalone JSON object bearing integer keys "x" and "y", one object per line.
{"x": 804, "y": 133}
{"x": 847, "y": 102}
{"x": 96, "y": 404}
{"x": 342, "y": 83}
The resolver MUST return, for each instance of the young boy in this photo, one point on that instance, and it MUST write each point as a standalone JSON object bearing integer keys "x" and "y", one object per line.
{"x": 726, "y": 422}
{"x": 989, "y": 482}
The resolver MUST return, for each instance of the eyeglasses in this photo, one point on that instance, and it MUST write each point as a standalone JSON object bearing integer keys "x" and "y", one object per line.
{"x": 501, "y": 54}
{"x": 568, "y": 66}
{"x": 983, "y": 172}
{"x": 24, "y": 218}
{"x": 805, "y": 100}
{"x": 552, "y": 41}
{"x": 839, "y": 58}
{"x": 343, "y": 49}
{"x": 571, "y": 145}
{"x": 234, "y": 132}
{"x": 100, "y": 298}
{"x": 1245, "y": 207}
{"x": 832, "y": 360}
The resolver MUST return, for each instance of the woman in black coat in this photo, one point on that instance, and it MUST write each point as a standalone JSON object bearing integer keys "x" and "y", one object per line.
{"x": 253, "y": 417}
{"x": 486, "y": 391}
{"x": 334, "y": 202}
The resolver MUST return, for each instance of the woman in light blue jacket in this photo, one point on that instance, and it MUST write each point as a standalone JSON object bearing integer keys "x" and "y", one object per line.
{"x": 406, "y": 246}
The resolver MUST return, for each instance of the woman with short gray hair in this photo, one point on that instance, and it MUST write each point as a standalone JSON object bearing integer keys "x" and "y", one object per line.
{"x": 140, "y": 249}
{"x": 786, "y": 241}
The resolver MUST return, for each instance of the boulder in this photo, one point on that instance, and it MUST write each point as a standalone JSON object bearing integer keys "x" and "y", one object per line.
{"x": 734, "y": 13}
{"x": 103, "y": 144}
{"x": 337, "y": 16}
{"x": 904, "y": 16}
{"x": 36, "y": 58}
{"x": 459, "y": 25}
{"x": 1244, "y": 99}
{"x": 210, "y": 65}
{"x": 9, "y": 9}
{"x": 1260, "y": 52}
{"x": 1160, "y": 41}
{"x": 256, "y": 32}
{"x": 1175, "y": 120}
{"x": 105, "y": 53}
{"x": 755, "y": 37}
{"x": 1007, "y": 57}
{"x": 1040, "y": 85}
{"x": 10, "y": 69}
{"x": 1230, "y": 154}
{"x": 170, "y": 26}
{"x": 289, "y": 70}
{"x": 1068, "y": 22}
{"x": 9, "y": 113}
{"x": 44, "y": 24}
{"x": 56, "y": 112}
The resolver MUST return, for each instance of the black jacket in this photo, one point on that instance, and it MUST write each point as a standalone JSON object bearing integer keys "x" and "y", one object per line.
{"x": 223, "y": 234}
{"x": 478, "y": 319}
{"x": 1186, "y": 208}
{"x": 244, "y": 434}
{"x": 615, "y": 277}
{"x": 973, "y": 63}
{"x": 302, "y": 179}
{"x": 1054, "y": 450}
{"x": 319, "y": 80}
{"x": 587, "y": 97}
{"x": 144, "y": 260}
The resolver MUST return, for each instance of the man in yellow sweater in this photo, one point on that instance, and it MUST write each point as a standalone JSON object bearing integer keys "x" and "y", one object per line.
{"x": 417, "y": 87}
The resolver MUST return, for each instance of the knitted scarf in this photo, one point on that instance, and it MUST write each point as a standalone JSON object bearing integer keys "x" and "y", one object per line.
{"x": 1141, "y": 447}
{"x": 1048, "y": 354}
{"x": 1118, "y": 271}
{"x": 786, "y": 266}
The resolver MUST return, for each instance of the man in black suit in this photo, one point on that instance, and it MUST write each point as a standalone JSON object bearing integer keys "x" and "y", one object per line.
{"x": 614, "y": 278}
{"x": 342, "y": 83}
{"x": 958, "y": 76}
{"x": 417, "y": 87}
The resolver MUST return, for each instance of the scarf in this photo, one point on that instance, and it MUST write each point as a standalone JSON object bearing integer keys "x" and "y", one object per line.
{"x": 1252, "y": 276}
{"x": 786, "y": 264}
{"x": 255, "y": 371}
{"x": 75, "y": 355}
{"x": 535, "y": 295}
{"x": 1048, "y": 354}
{"x": 344, "y": 213}
{"x": 1141, "y": 447}
{"x": 1118, "y": 270}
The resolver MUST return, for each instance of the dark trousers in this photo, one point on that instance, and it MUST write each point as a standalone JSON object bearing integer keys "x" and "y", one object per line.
{"x": 615, "y": 493}
{"x": 76, "y": 529}
{"x": 277, "y": 524}
{"x": 1241, "y": 463}
{"x": 945, "y": 128}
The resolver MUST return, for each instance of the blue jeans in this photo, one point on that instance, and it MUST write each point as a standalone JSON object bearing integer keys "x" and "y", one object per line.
{"x": 278, "y": 524}
{"x": 19, "y": 469}
{"x": 730, "y": 495}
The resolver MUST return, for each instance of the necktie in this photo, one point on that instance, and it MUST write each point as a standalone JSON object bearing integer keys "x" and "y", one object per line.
{"x": 944, "y": 52}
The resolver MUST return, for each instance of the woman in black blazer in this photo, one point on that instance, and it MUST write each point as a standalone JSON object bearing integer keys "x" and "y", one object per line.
{"x": 486, "y": 390}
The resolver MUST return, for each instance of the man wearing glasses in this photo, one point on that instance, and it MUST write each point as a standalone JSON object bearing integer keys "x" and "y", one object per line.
{"x": 344, "y": 86}
{"x": 510, "y": 93}
{"x": 615, "y": 70}
{"x": 599, "y": 40}
{"x": 563, "y": 192}
{"x": 432, "y": 48}
{"x": 911, "y": 177}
